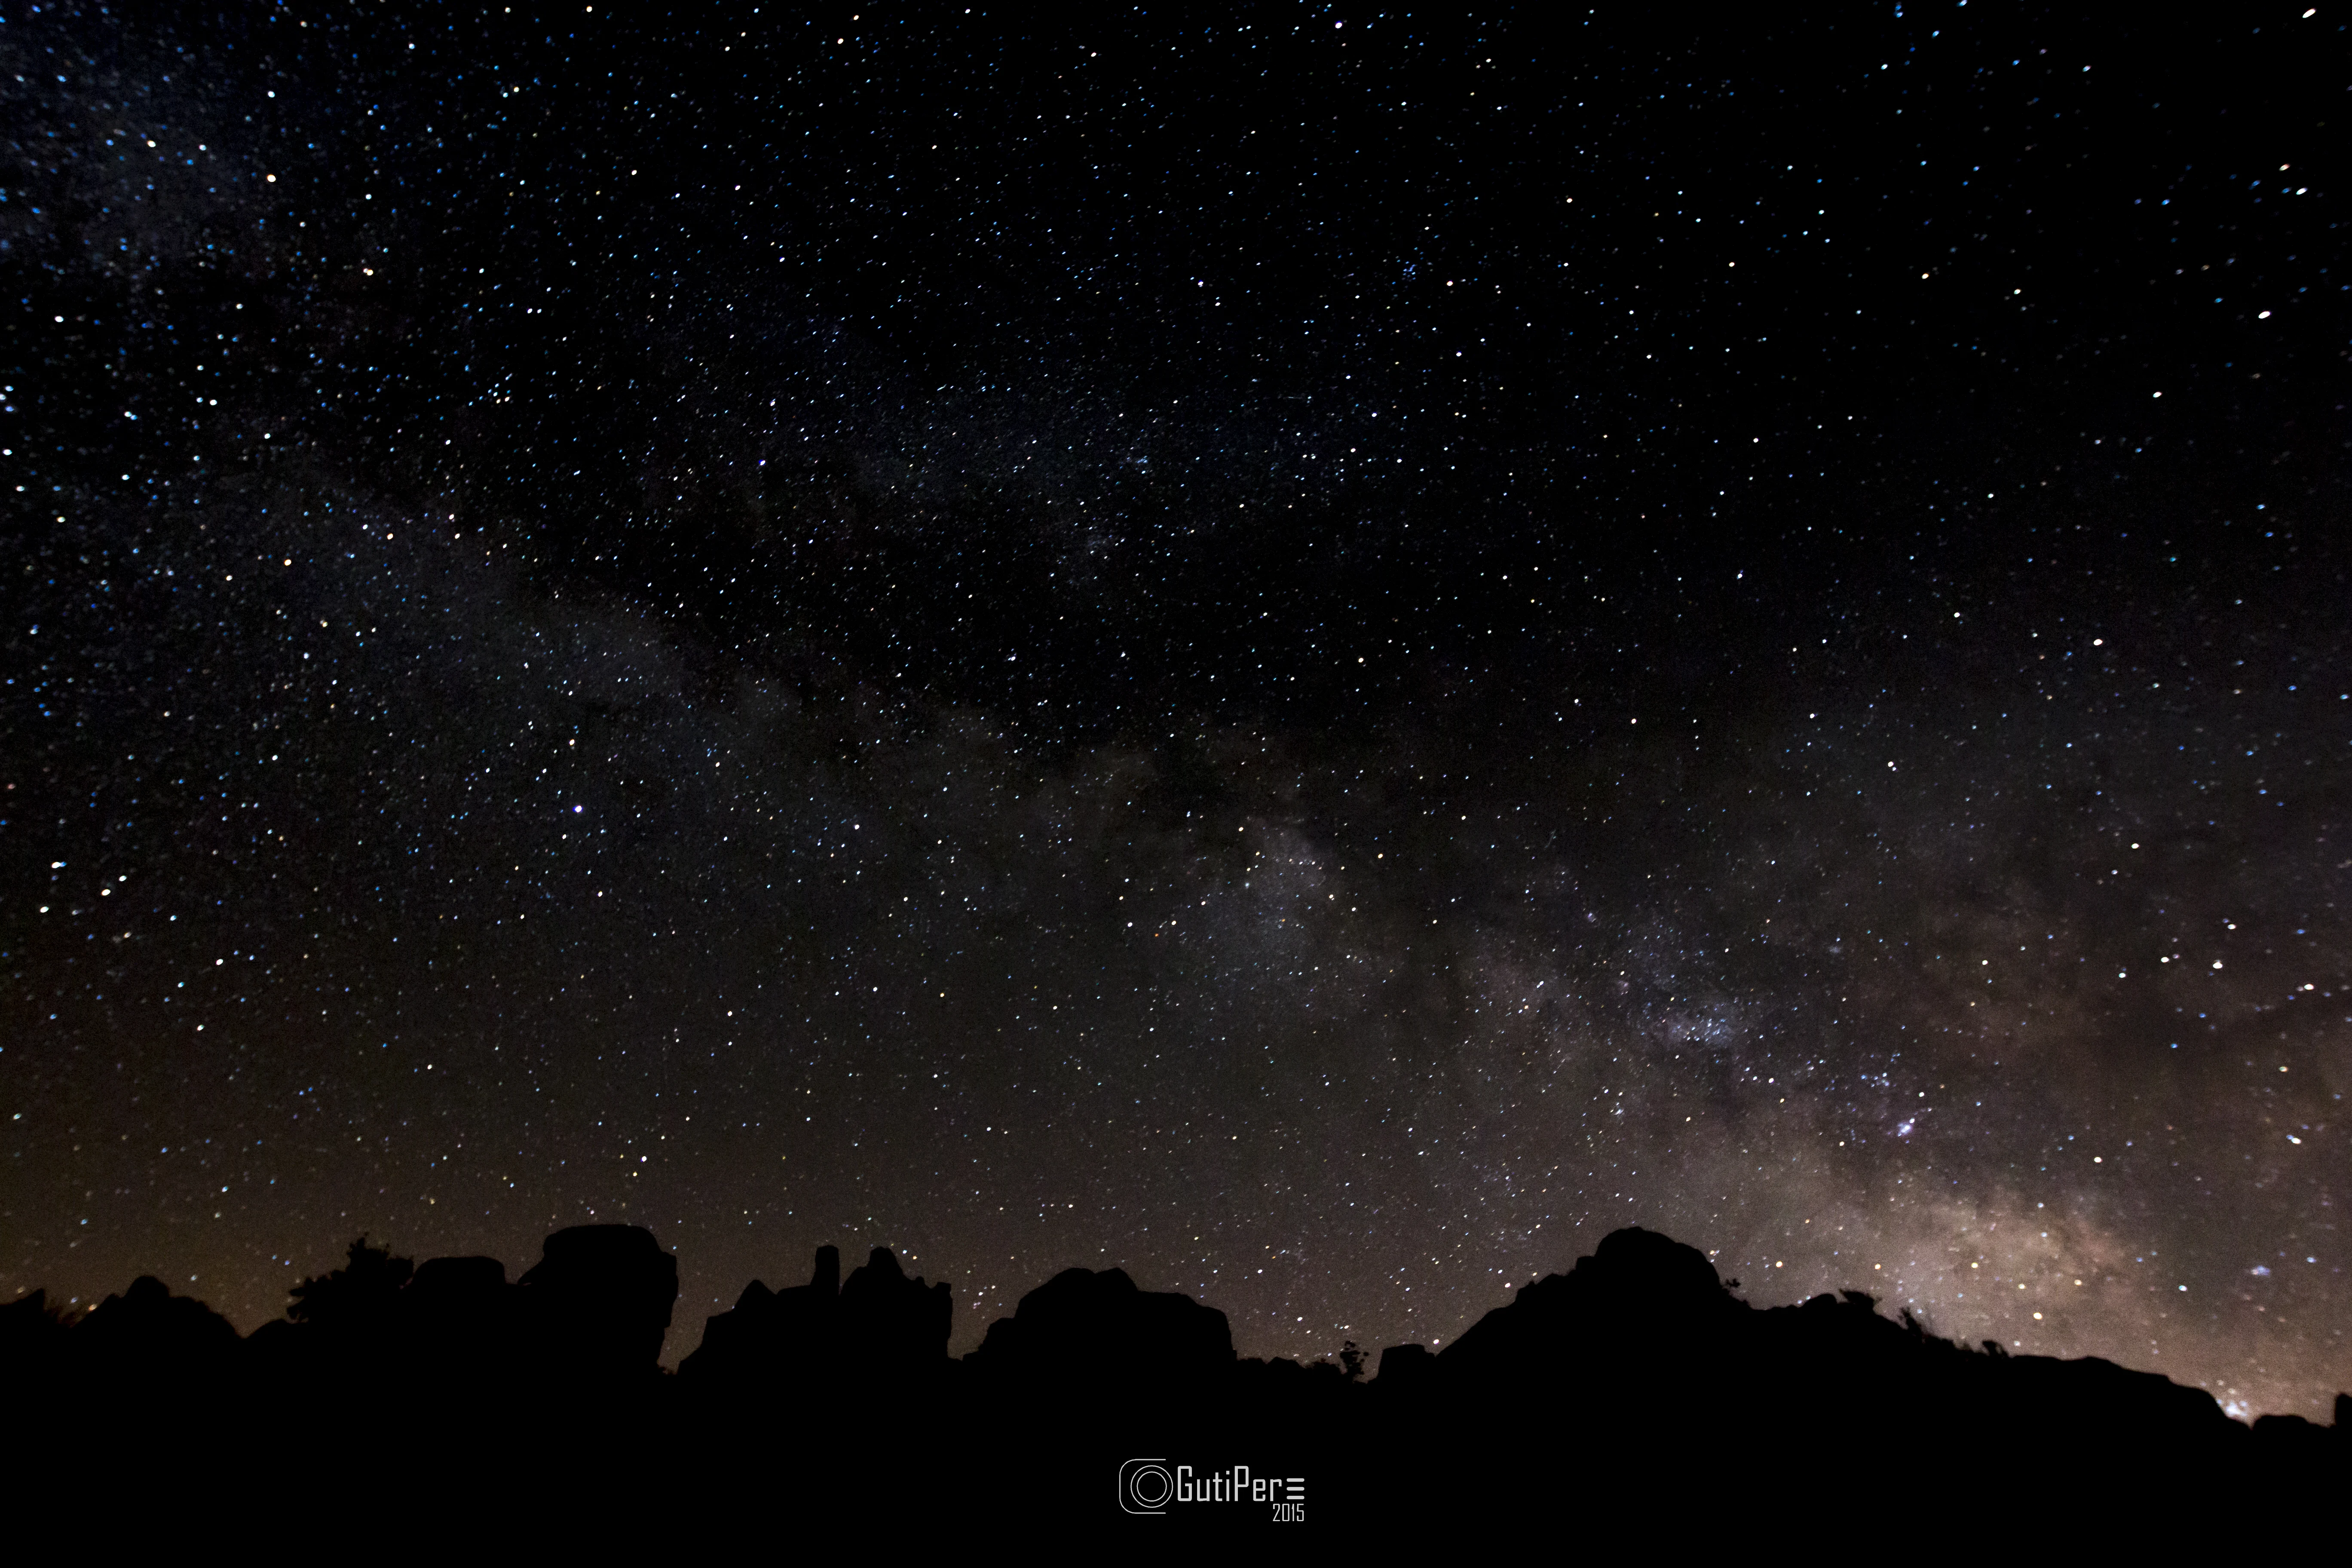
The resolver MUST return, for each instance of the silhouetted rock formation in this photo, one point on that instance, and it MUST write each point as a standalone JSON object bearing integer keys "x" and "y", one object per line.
{"x": 458, "y": 1320}
{"x": 896, "y": 1326}
{"x": 147, "y": 1335}
{"x": 1406, "y": 1368}
{"x": 450, "y": 1320}
{"x": 597, "y": 1306}
{"x": 28, "y": 1330}
{"x": 1635, "y": 1311}
{"x": 1635, "y": 1372}
{"x": 878, "y": 1324}
{"x": 1640, "y": 1344}
{"x": 1085, "y": 1327}
{"x": 773, "y": 1337}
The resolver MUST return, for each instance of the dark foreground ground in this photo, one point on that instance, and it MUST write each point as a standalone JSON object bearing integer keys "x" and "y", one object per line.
{"x": 1635, "y": 1389}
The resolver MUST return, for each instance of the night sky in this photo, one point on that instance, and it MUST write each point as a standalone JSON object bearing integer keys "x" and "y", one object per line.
{"x": 1321, "y": 658}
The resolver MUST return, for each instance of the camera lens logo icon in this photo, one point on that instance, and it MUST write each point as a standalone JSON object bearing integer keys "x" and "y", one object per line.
{"x": 1145, "y": 1486}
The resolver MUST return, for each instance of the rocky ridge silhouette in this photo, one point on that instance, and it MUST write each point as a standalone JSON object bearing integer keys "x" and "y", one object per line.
{"x": 1636, "y": 1367}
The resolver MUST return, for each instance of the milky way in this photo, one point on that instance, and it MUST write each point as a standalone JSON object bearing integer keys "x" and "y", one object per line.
{"x": 1321, "y": 660}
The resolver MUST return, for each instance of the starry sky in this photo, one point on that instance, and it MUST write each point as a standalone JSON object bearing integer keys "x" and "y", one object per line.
{"x": 1321, "y": 654}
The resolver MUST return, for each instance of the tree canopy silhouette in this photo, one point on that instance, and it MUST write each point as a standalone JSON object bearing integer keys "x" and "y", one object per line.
{"x": 366, "y": 1287}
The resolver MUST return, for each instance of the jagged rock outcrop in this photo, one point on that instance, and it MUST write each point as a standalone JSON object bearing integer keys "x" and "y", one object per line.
{"x": 875, "y": 1324}
{"x": 1635, "y": 1366}
{"x": 771, "y": 1337}
{"x": 893, "y": 1324}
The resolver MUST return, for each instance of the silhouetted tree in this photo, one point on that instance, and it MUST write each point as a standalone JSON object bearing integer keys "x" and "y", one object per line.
{"x": 362, "y": 1291}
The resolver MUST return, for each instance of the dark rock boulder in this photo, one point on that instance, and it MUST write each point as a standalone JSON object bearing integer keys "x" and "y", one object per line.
{"x": 1082, "y": 1325}
{"x": 1641, "y": 1300}
{"x": 147, "y": 1332}
{"x": 1406, "y": 1368}
{"x": 33, "y": 1346}
{"x": 456, "y": 1319}
{"x": 597, "y": 1306}
{"x": 28, "y": 1326}
{"x": 454, "y": 1282}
